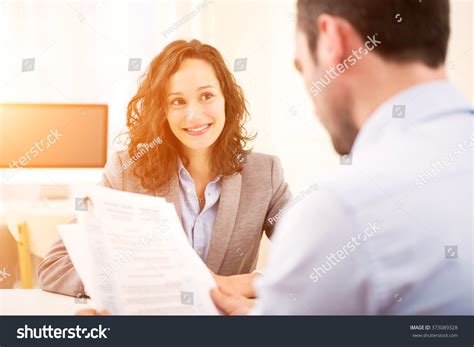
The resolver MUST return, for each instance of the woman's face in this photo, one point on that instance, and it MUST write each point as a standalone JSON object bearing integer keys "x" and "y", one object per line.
{"x": 196, "y": 105}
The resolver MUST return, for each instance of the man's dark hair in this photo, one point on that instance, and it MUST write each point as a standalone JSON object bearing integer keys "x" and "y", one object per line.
{"x": 410, "y": 30}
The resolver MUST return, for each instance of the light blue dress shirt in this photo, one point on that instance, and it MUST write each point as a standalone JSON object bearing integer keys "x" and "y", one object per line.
{"x": 197, "y": 224}
{"x": 392, "y": 232}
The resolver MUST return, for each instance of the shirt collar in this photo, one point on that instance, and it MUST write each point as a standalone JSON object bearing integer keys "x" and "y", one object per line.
{"x": 182, "y": 172}
{"x": 420, "y": 102}
{"x": 184, "y": 175}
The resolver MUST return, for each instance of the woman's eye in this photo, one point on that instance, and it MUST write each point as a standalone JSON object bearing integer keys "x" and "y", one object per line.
{"x": 206, "y": 96}
{"x": 177, "y": 102}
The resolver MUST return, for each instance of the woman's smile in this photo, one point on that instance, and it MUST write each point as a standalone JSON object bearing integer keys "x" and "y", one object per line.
{"x": 198, "y": 130}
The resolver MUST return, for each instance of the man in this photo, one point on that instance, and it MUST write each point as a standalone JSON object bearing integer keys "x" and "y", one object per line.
{"x": 392, "y": 232}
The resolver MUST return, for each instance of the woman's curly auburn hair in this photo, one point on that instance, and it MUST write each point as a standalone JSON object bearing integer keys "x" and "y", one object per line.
{"x": 147, "y": 118}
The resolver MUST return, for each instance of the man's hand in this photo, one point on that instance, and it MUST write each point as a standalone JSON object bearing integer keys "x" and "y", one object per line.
{"x": 240, "y": 285}
{"x": 231, "y": 304}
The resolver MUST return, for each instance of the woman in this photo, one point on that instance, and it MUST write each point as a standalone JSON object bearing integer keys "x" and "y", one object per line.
{"x": 189, "y": 115}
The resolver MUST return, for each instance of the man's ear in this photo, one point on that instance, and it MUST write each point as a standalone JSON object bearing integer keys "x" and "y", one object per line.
{"x": 334, "y": 39}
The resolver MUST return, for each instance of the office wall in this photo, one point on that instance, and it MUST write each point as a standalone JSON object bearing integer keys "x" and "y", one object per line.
{"x": 82, "y": 51}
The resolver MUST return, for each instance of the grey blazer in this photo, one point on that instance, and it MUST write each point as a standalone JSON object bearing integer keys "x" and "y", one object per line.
{"x": 247, "y": 203}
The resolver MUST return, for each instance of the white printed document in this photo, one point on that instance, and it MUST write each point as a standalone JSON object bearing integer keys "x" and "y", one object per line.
{"x": 133, "y": 257}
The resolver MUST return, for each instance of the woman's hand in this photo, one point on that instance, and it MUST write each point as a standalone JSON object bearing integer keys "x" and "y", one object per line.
{"x": 239, "y": 285}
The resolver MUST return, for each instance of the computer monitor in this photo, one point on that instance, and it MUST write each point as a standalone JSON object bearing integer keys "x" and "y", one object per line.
{"x": 53, "y": 135}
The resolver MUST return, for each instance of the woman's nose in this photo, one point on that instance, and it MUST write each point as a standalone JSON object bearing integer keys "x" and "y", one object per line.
{"x": 193, "y": 112}
{"x": 190, "y": 114}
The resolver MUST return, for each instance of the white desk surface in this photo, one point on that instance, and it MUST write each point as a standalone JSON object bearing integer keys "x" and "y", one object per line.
{"x": 38, "y": 302}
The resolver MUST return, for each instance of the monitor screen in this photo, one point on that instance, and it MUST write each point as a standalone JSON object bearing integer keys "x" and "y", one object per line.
{"x": 53, "y": 135}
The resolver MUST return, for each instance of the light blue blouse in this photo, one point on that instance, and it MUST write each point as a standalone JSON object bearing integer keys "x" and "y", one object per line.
{"x": 198, "y": 224}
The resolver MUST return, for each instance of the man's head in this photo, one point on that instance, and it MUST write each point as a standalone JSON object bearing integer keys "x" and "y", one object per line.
{"x": 343, "y": 47}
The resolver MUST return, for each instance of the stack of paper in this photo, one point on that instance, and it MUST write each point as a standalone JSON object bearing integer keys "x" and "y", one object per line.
{"x": 133, "y": 256}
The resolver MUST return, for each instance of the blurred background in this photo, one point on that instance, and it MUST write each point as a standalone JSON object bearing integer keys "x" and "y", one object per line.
{"x": 93, "y": 52}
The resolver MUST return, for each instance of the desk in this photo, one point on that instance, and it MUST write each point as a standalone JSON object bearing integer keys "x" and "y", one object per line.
{"x": 38, "y": 302}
